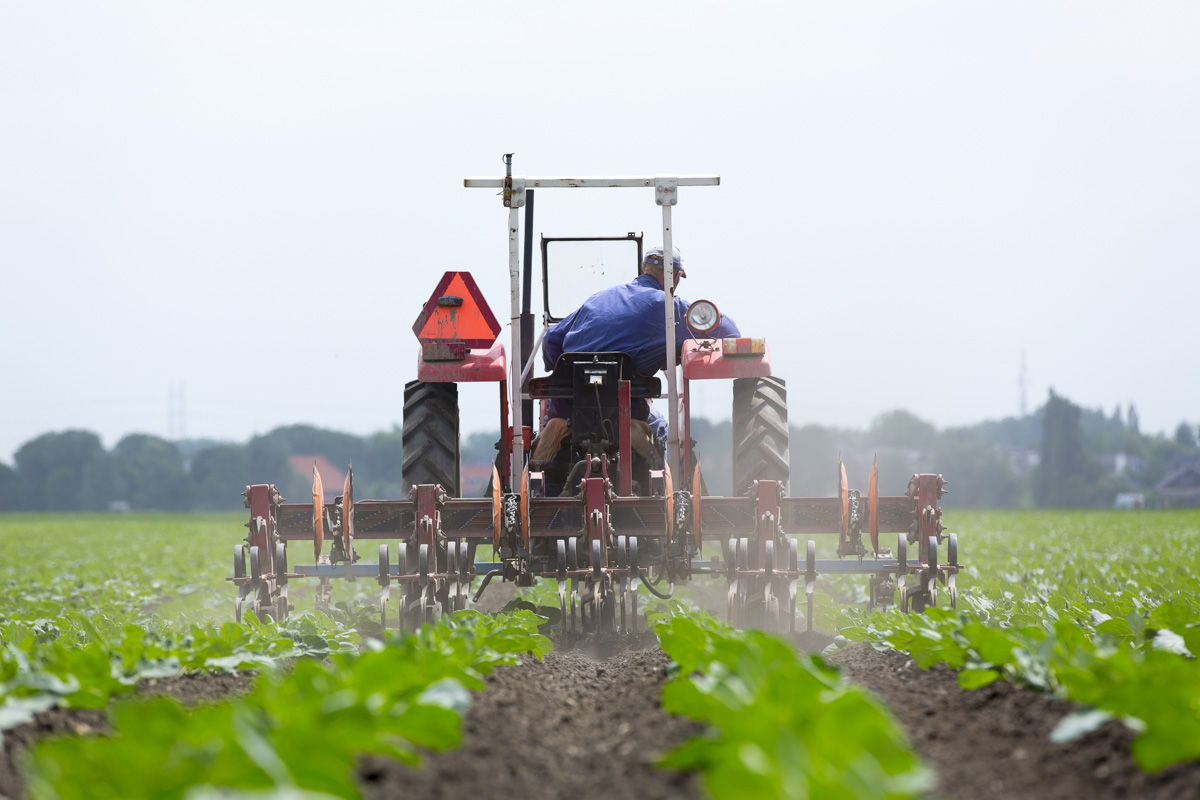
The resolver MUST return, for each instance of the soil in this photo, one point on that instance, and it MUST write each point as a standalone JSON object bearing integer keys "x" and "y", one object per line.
{"x": 191, "y": 689}
{"x": 994, "y": 742}
{"x": 585, "y": 722}
{"x": 581, "y": 723}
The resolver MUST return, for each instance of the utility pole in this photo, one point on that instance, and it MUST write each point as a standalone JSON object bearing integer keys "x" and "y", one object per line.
{"x": 1023, "y": 385}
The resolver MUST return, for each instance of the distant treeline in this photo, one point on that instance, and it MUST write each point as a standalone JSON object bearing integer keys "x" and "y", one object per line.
{"x": 1058, "y": 456}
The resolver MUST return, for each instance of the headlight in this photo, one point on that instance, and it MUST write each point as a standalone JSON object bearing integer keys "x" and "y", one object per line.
{"x": 702, "y": 316}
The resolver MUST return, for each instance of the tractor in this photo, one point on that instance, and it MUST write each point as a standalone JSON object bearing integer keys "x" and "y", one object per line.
{"x": 600, "y": 521}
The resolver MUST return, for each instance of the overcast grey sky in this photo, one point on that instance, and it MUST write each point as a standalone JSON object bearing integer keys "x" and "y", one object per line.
{"x": 257, "y": 198}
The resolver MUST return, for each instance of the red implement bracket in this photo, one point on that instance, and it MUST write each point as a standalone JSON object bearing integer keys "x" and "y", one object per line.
{"x": 427, "y": 521}
{"x": 766, "y": 524}
{"x": 596, "y": 514}
{"x": 925, "y": 490}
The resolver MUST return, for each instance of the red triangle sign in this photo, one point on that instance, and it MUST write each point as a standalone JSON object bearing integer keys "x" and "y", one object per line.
{"x": 457, "y": 312}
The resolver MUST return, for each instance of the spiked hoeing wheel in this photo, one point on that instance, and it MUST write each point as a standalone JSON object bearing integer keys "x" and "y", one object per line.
{"x": 760, "y": 433}
{"x": 430, "y": 436}
{"x": 385, "y": 571}
{"x": 239, "y": 571}
{"x": 281, "y": 607}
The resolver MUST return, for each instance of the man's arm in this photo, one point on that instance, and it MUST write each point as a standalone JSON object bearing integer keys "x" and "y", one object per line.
{"x": 552, "y": 342}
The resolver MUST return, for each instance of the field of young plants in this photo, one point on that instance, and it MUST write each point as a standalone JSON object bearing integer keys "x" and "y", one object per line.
{"x": 1067, "y": 670}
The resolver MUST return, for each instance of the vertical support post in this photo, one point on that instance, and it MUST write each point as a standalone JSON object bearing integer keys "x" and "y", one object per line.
{"x": 505, "y": 441}
{"x": 666, "y": 194}
{"x": 514, "y": 199}
{"x": 625, "y": 456}
{"x": 526, "y": 303}
{"x": 514, "y": 384}
{"x": 686, "y": 441}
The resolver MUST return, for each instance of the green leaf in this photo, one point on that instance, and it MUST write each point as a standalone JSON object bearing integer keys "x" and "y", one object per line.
{"x": 977, "y": 678}
{"x": 1078, "y": 724}
{"x": 1168, "y": 641}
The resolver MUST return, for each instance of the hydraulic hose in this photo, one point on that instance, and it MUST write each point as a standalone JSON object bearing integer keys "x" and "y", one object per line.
{"x": 655, "y": 592}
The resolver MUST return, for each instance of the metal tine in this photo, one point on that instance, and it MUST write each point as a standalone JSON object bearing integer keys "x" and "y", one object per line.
{"x": 623, "y": 574}
{"x": 635, "y": 573}
{"x": 385, "y": 585}
{"x": 810, "y": 582}
{"x": 793, "y": 583}
{"x": 731, "y": 575}
{"x": 562, "y": 603}
{"x": 452, "y": 575}
{"x": 574, "y": 604}
{"x": 597, "y": 602}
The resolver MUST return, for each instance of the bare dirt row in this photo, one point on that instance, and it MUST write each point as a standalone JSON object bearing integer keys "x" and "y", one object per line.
{"x": 585, "y": 722}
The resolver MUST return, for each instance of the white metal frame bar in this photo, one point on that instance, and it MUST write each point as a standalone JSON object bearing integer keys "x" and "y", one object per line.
{"x": 593, "y": 182}
{"x": 666, "y": 194}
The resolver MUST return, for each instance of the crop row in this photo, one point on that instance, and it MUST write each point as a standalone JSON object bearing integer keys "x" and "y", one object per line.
{"x": 780, "y": 725}
{"x": 1101, "y": 609}
{"x": 299, "y": 731}
{"x": 88, "y": 599}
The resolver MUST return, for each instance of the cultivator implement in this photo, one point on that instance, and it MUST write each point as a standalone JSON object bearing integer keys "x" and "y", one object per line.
{"x": 600, "y": 547}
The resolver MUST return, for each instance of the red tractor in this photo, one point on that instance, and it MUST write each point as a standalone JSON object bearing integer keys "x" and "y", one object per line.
{"x": 603, "y": 522}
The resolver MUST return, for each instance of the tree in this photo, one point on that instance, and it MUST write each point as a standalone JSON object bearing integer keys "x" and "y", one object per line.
{"x": 339, "y": 448}
{"x": 267, "y": 459}
{"x": 1131, "y": 419}
{"x": 901, "y": 429}
{"x": 153, "y": 474}
{"x": 1066, "y": 477}
{"x": 379, "y": 474}
{"x": 814, "y": 454}
{"x": 68, "y": 471}
{"x": 979, "y": 473}
{"x": 1185, "y": 436}
{"x": 219, "y": 475}
{"x": 10, "y": 488}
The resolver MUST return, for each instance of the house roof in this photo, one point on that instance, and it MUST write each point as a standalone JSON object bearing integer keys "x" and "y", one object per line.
{"x": 333, "y": 480}
{"x": 1186, "y": 478}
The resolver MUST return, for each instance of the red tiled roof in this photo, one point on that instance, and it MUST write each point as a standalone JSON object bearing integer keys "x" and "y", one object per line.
{"x": 333, "y": 480}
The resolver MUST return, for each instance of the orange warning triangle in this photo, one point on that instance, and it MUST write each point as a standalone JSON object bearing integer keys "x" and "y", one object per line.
{"x": 457, "y": 312}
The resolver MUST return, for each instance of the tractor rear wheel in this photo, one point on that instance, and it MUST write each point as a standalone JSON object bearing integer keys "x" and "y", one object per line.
{"x": 760, "y": 433}
{"x": 430, "y": 436}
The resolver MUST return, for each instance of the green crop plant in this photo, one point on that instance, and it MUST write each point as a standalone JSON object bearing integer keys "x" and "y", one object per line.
{"x": 94, "y": 603}
{"x": 780, "y": 725}
{"x": 299, "y": 731}
{"x": 1100, "y": 608}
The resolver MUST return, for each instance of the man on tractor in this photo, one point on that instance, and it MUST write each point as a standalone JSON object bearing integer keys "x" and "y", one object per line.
{"x": 627, "y": 319}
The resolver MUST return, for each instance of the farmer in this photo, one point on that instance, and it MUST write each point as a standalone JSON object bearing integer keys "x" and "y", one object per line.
{"x": 625, "y": 319}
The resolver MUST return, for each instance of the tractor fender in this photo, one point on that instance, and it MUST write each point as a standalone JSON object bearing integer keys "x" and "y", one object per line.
{"x": 477, "y": 365}
{"x": 703, "y": 360}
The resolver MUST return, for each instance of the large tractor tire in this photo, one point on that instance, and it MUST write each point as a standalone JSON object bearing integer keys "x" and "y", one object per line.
{"x": 430, "y": 436}
{"x": 760, "y": 433}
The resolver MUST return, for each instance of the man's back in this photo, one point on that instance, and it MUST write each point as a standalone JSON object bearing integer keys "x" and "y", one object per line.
{"x": 629, "y": 319}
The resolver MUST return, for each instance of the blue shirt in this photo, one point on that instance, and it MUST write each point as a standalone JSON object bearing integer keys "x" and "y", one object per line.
{"x": 626, "y": 319}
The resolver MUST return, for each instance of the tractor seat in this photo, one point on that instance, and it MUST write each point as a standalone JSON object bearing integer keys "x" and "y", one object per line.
{"x": 559, "y": 384}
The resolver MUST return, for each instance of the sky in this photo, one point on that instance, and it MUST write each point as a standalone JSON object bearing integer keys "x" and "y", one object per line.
{"x": 251, "y": 202}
